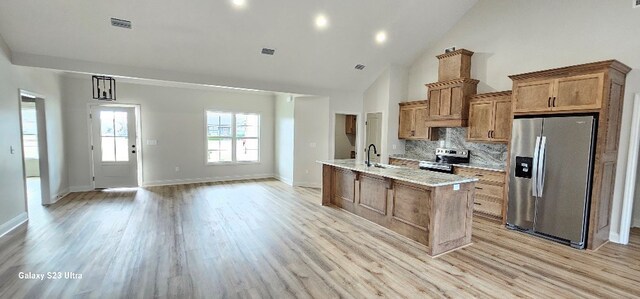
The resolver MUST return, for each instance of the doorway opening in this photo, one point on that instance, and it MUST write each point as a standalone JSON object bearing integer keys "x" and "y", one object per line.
{"x": 34, "y": 151}
{"x": 374, "y": 134}
{"x": 115, "y": 146}
{"x": 346, "y": 136}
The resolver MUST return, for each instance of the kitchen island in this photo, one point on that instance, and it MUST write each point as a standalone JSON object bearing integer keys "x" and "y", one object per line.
{"x": 432, "y": 208}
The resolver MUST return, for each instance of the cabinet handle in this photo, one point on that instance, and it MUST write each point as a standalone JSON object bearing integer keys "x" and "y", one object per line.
{"x": 479, "y": 188}
{"x": 477, "y": 203}
{"x": 549, "y": 102}
{"x": 554, "y": 101}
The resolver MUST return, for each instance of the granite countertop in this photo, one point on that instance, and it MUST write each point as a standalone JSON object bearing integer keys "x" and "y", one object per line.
{"x": 416, "y": 176}
{"x": 480, "y": 166}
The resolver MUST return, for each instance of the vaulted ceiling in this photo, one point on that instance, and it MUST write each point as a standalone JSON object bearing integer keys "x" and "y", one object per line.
{"x": 214, "y": 38}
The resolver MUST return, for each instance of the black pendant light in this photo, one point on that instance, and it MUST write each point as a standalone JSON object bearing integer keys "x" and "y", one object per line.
{"x": 104, "y": 88}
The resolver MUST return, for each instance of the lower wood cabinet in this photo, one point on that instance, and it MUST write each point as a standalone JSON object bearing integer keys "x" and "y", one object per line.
{"x": 439, "y": 217}
{"x": 489, "y": 199}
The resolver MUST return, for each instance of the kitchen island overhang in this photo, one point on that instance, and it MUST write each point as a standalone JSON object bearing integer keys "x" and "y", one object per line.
{"x": 435, "y": 209}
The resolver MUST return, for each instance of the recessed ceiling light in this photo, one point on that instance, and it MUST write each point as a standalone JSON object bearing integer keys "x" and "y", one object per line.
{"x": 381, "y": 37}
{"x": 321, "y": 21}
{"x": 239, "y": 3}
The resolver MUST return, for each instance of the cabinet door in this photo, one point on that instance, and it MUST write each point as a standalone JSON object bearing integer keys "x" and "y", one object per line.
{"x": 434, "y": 103}
{"x": 502, "y": 121}
{"x": 579, "y": 92}
{"x": 405, "y": 128}
{"x": 421, "y": 131}
{"x": 533, "y": 96}
{"x": 480, "y": 120}
{"x": 445, "y": 102}
{"x": 350, "y": 124}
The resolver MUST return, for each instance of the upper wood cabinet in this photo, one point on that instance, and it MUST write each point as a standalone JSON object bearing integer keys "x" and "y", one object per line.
{"x": 350, "y": 124}
{"x": 454, "y": 65}
{"x": 490, "y": 117}
{"x": 449, "y": 102}
{"x": 413, "y": 116}
{"x": 596, "y": 88}
{"x": 572, "y": 93}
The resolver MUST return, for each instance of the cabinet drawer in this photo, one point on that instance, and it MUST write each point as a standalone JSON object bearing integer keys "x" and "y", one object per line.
{"x": 489, "y": 190}
{"x": 487, "y": 206}
{"x": 491, "y": 177}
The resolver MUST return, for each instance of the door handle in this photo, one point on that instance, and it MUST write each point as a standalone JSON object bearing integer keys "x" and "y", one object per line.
{"x": 541, "y": 165}
{"x": 534, "y": 172}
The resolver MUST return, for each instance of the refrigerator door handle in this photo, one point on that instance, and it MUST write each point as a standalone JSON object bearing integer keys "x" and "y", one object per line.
{"x": 534, "y": 172}
{"x": 541, "y": 165}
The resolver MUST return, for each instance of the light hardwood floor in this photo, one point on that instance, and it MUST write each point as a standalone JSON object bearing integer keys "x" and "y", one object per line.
{"x": 266, "y": 239}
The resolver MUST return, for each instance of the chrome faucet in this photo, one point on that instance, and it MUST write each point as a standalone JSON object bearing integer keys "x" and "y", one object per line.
{"x": 368, "y": 162}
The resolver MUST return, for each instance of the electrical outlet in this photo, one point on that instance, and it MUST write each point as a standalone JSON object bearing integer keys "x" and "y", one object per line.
{"x": 152, "y": 142}
{"x": 394, "y": 146}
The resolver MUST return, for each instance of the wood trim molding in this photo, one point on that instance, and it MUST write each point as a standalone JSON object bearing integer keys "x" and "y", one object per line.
{"x": 414, "y": 103}
{"x": 452, "y": 82}
{"x": 506, "y": 93}
{"x": 454, "y": 53}
{"x": 587, "y": 67}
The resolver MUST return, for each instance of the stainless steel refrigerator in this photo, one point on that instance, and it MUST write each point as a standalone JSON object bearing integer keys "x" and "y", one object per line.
{"x": 550, "y": 177}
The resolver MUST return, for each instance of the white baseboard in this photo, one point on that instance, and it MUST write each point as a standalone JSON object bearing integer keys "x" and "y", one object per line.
{"x": 208, "y": 180}
{"x": 73, "y": 189}
{"x": 307, "y": 185}
{"x": 13, "y": 224}
{"x": 614, "y": 237}
{"x": 287, "y": 181}
{"x": 56, "y": 197}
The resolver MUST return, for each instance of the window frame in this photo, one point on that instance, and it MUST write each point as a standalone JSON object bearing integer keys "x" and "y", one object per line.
{"x": 234, "y": 138}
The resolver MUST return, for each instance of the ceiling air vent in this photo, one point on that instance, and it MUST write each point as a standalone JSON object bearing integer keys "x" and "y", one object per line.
{"x": 267, "y": 51}
{"x": 121, "y": 23}
{"x": 360, "y": 67}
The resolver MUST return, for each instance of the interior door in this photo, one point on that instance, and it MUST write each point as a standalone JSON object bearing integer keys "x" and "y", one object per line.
{"x": 115, "y": 152}
{"x": 374, "y": 135}
{"x": 562, "y": 202}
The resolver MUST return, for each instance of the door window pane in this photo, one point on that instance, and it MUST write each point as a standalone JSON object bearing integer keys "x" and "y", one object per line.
{"x": 108, "y": 149}
{"x": 120, "y": 124}
{"x": 114, "y": 133}
{"x": 106, "y": 123}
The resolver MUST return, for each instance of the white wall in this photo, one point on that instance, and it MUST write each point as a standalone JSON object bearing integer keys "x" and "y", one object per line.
{"x": 47, "y": 84}
{"x": 311, "y": 139}
{"x": 517, "y": 36}
{"x": 389, "y": 89}
{"x": 284, "y": 141}
{"x": 174, "y": 116}
{"x": 376, "y": 99}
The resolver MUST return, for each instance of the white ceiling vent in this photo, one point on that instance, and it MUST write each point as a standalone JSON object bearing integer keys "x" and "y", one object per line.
{"x": 360, "y": 67}
{"x": 120, "y": 23}
{"x": 267, "y": 51}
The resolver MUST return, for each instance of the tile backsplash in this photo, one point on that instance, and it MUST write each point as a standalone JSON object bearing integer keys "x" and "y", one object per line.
{"x": 482, "y": 153}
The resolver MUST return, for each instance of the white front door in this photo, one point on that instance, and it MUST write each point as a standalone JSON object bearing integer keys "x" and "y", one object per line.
{"x": 115, "y": 152}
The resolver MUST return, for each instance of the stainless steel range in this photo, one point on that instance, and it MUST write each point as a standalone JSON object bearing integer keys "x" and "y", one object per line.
{"x": 445, "y": 158}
